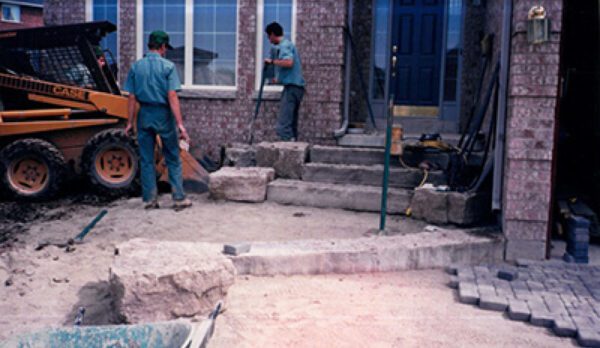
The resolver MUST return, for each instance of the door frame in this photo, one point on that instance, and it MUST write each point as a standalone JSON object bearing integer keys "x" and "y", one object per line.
{"x": 449, "y": 111}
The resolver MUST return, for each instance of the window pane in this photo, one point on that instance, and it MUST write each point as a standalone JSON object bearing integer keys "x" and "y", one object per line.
{"x": 279, "y": 11}
{"x": 107, "y": 10}
{"x": 380, "y": 55}
{"x": 215, "y": 40}
{"x": 452, "y": 49}
{"x": 170, "y": 17}
{"x": 11, "y": 13}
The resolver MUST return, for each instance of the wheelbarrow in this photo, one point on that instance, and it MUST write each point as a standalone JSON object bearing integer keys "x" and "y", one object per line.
{"x": 176, "y": 333}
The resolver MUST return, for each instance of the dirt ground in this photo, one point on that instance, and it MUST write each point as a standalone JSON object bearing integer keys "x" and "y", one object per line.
{"x": 404, "y": 309}
{"x": 40, "y": 288}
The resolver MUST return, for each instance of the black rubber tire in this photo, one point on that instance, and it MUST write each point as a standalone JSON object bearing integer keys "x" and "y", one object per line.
{"x": 41, "y": 150}
{"x": 103, "y": 140}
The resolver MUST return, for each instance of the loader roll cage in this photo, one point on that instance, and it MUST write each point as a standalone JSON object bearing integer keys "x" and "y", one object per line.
{"x": 59, "y": 54}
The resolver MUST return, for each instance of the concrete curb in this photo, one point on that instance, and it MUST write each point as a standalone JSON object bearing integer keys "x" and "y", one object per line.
{"x": 370, "y": 254}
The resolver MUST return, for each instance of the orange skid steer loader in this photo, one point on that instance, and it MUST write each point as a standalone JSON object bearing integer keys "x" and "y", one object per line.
{"x": 62, "y": 111}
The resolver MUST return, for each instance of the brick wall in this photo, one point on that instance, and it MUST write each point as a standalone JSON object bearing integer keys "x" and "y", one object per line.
{"x": 215, "y": 119}
{"x": 530, "y": 136}
{"x": 30, "y": 17}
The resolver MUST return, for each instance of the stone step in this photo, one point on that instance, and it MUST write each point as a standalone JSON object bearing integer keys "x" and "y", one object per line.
{"x": 325, "y": 195}
{"x": 369, "y": 175}
{"x": 346, "y": 155}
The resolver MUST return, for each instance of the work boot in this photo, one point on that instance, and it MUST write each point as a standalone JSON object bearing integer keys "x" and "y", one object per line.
{"x": 153, "y": 204}
{"x": 182, "y": 204}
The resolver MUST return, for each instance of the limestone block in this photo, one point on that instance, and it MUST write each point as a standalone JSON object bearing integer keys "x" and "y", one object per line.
{"x": 467, "y": 208}
{"x": 161, "y": 280}
{"x": 241, "y": 184}
{"x": 287, "y": 158}
{"x": 430, "y": 205}
{"x": 240, "y": 155}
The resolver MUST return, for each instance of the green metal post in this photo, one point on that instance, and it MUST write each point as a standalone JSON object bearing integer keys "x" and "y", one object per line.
{"x": 386, "y": 167}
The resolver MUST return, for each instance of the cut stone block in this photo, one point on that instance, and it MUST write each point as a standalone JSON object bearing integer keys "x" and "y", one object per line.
{"x": 156, "y": 280}
{"x": 240, "y": 155}
{"x": 467, "y": 208}
{"x": 322, "y": 195}
{"x": 236, "y": 249}
{"x": 430, "y": 205}
{"x": 346, "y": 155}
{"x": 287, "y": 158}
{"x": 240, "y": 184}
{"x": 508, "y": 274}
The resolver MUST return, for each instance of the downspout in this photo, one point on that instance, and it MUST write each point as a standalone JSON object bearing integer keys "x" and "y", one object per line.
{"x": 338, "y": 133}
{"x": 502, "y": 107}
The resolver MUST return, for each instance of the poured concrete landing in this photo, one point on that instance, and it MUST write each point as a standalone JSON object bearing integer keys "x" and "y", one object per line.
{"x": 369, "y": 254}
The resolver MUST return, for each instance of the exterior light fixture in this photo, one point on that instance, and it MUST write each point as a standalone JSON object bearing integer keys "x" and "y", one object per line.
{"x": 538, "y": 25}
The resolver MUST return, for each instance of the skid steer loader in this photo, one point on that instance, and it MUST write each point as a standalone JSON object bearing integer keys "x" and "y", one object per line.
{"x": 62, "y": 112}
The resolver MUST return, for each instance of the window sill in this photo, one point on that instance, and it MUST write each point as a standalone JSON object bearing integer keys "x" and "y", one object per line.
{"x": 9, "y": 21}
{"x": 268, "y": 95}
{"x": 206, "y": 94}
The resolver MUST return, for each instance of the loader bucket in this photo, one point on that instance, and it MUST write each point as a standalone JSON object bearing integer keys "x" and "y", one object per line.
{"x": 195, "y": 177}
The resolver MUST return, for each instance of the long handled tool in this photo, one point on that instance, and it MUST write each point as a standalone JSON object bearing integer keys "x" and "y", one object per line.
{"x": 268, "y": 72}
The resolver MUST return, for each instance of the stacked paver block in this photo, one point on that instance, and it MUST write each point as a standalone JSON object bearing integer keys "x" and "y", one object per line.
{"x": 578, "y": 240}
{"x": 564, "y": 297}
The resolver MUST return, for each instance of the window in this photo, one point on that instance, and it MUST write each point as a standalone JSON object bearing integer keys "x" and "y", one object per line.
{"x": 203, "y": 34}
{"x": 453, "y": 45}
{"x": 280, "y": 11}
{"x": 11, "y": 13}
{"x": 106, "y": 10}
{"x": 380, "y": 54}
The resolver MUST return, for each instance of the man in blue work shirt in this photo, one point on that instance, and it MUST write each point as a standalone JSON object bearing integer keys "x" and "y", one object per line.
{"x": 153, "y": 82}
{"x": 289, "y": 73}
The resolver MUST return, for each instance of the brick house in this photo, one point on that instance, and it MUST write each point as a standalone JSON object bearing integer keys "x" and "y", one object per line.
{"x": 218, "y": 44}
{"x": 21, "y": 14}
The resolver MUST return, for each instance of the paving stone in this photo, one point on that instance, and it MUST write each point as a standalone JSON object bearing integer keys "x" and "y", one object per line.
{"x": 507, "y": 274}
{"x": 236, "y": 249}
{"x": 467, "y": 293}
{"x": 492, "y": 302}
{"x": 488, "y": 290}
{"x": 535, "y": 285}
{"x": 564, "y": 327}
{"x": 453, "y": 282}
{"x": 588, "y": 337}
{"x": 518, "y": 310}
{"x": 541, "y": 318}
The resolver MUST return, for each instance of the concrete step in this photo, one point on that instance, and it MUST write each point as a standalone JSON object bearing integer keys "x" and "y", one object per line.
{"x": 369, "y": 175}
{"x": 420, "y": 250}
{"x": 324, "y": 195}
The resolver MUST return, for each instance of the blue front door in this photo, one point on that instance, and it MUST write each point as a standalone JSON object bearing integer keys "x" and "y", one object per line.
{"x": 417, "y": 48}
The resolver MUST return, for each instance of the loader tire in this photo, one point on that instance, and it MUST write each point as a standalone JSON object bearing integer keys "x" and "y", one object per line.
{"x": 111, "y": 163}
{"x": 32, "y": 169}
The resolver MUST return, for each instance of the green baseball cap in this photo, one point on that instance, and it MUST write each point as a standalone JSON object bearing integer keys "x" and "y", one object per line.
{"x": 159, "y": 37}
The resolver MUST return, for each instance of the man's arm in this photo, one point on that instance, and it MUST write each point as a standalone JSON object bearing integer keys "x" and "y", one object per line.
{"x": 284, "y": 63}
{"x": 131, "y": 103}
{"x": 176, "y": 110}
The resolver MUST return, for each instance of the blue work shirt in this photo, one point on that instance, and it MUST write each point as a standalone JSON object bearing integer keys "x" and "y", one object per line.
{"x": 151, "y": 78}
{"x": 289, "y": 76}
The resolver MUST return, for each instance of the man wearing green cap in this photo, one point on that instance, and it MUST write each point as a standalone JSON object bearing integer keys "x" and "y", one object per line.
{"x": 153, "y": 82}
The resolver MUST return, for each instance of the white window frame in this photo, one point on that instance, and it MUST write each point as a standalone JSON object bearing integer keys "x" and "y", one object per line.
{"x": 89, "y": 16}
{"x": 188, "y": 69}
{"x": 17, "y": 7}
{"x": 260, "y": 32}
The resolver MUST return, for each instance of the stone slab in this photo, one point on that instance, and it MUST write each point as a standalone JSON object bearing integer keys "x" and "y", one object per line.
{"x": 346, "y": 155}
{"x": 430, "y": 205}
{"x": 287, "y": 158}
{"x": 159, "y": 280}
{"x": 240, "y": 155}
{"x": 240, "y": 184}
{"x": 468, "y": 208}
